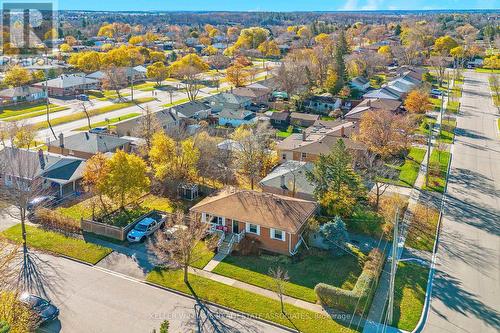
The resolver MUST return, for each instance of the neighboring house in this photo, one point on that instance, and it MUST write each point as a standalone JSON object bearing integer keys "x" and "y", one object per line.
{"x": 360, "y": 83}
{"x": 167, "y": 119}
{"x": 235, "y": 118}
{"x": 68, "y": 85}
{"x": 193, "y": 110}
{"x": 415, "y": 72}
{"x": 303, "y": 119}
{"x": 137, "y": 73}
{"x": 315, "y": 141}
{"x": 255, "y": 94}
{"x": 384, "y": 93}
{"x": 59, "y": 176}
{"x": 280, "y": 119}
{"x": 290, "y": 179}
{"x": 373, "y": 104}
{"x": 228, "y": 101}
{"x": 230, "y": 145}
{"x": 322, "y": 103}
{"x": 85, "y": 145}
{"x": 22, "y": 94}
{"x": 276, "y": 222}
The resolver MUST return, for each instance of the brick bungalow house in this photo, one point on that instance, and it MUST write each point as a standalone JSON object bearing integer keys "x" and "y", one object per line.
{"x": 276, "y": 221}
{"x": 68, "y": 85}
{"x": 317, "y": 140}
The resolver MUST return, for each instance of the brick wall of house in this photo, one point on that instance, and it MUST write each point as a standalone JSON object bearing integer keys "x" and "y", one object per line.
{"x": 281, "y": 191}
{"x": 68, "y": 152}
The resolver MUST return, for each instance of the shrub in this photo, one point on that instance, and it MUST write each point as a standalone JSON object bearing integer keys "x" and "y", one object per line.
{"x": 249, "y": 246}
{"x": 4, "y": 327}
{"x": 54, "y": 221}
{"x": 363, "y": 291}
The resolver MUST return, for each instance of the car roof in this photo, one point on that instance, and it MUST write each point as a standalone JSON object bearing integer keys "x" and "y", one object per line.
{"x": 147, "y": 221}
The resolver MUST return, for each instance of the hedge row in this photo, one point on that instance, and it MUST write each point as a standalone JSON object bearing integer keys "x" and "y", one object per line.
{"x": 52, "y": 220}
{"x": 355, "y": 299}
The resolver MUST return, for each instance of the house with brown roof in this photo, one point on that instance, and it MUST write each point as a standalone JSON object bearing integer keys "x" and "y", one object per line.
{"x": 257, "y": 95}
{"x": 318, "y": 140}
{"x": 373, "y": 104}
{"x": 303, "y": 119}
{"x": 276, "y": 222}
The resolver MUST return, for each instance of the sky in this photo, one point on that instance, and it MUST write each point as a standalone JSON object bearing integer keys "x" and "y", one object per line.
{"x": 275, "y": 5}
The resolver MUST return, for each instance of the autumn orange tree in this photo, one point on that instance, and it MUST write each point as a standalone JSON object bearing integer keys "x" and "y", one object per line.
{"x": 93, "y": 179}
{"x": 418, "y": 101}
{"x": 384, "y": 132}
{"x": 237, "y": 75}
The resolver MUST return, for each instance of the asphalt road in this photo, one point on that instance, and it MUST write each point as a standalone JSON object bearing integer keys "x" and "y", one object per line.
{"x": 92, "y": 300}
{"x": 466, "y": 287}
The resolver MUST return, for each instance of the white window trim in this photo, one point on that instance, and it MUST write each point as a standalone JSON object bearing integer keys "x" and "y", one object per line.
{"x": 247, "y": 228}
{"x": 272, "y": 234}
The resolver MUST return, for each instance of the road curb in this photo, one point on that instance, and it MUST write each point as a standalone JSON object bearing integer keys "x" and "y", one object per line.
{"x": 244, "y": 314}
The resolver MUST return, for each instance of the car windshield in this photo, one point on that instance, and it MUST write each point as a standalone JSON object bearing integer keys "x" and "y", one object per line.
{"x": 36, "y": 302}
{"x": 141, "y": 227}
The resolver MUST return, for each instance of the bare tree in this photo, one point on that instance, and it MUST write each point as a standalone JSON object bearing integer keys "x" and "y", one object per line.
{"x": 190, "y": 77}
{"x": 439, "y": 63}
{"x": 115, "y": 79}
{"x": 180, "y": 250}
{"x": 280, "y": 278}
{"x": 21, "y": 169}
{"x": 148, "y": 125}
{"x": 375, "y": 171}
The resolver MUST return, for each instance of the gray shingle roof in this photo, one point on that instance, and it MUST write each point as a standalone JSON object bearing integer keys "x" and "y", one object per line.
{"x": 294, "y": 173}
{"x": 91, "y": 142}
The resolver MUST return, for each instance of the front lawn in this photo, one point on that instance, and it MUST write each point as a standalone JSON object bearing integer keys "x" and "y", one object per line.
{"x": 408, "y": 172}
{"x": 438, "y": 183}
{"x": 109, "y": 122}
{"x": 487, "y": 70}
{"x": 365, "y": 221}
{"x": 422, "y": 234}
{"x": 447, "y": 130}
{"x": 453, "y": 106}
{"x": 203, "y": 254}
{"x": 410, "y": 288}
{"x": 95, "y": 112}
{"x": 83, "y": 209}
{"x": 57, "y": 243}
{"x": 247, "y": 302}
{"x": 15, "y": 113}
{"x": 313, "y": 268}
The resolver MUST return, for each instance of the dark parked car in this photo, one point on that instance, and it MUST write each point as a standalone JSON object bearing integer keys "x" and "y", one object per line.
{"x": 45, "y": 310}
{"x": 41, "y": 201}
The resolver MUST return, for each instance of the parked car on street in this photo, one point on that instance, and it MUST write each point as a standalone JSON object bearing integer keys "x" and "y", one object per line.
{"x": 41, "y": 201}
{"x": 143, "y": 229}
{"x": 44, "y": 309}
{"x": 82, "y": 97}
{"x": 436, "y": 92}
{"x": 98, "y": 130}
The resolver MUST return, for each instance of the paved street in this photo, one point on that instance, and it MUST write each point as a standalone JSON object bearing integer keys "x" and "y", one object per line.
{"x": 466, "y": 293}
{"x": 94, "y": 300}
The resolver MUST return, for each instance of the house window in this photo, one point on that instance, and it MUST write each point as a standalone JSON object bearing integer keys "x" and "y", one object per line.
{"x": 217, "y": 220}
{"x": 253, "y": 228}
{"x": 284, "y": 156}
{"x": 278, "y": 234}
{"x": 304, "y": 156}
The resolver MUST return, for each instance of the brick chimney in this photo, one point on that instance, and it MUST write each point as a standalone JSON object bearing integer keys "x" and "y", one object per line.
{"x": 304, "y": 135}
{"x": 342, "y": 131}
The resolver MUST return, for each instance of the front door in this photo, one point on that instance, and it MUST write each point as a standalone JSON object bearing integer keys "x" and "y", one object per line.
{"x": 236, "y": 229}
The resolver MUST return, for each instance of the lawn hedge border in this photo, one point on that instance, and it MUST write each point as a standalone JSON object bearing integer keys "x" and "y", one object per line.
{"x": 363, "y": 291}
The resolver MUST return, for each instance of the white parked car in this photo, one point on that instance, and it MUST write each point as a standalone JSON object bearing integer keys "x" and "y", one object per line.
{"x": 170, "y": 232}
{"x": 143, "y": 229}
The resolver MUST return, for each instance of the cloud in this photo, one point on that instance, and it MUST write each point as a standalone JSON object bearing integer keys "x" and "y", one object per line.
{"x": 350, "y": 5}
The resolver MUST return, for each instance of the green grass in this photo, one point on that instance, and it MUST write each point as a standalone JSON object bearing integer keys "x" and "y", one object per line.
{"x": 365, "y": 221}
{"x": 180, "y": 101}
{"x": 498, "y": 123}
{"x": 20, "y": 112}
{"x": 203, "y": 254}
{"x": 436, "y": 103}
{"x": 437, "y": 183}
{"x": 421, "y": 235}
{"x": 111, "y": 121}
{"x": 304, "y": 275}
{"x": 283, "y": 134}
{"x": 453, "y": 106}
{"x": 447, "y": 130}
{"x": 58, "y": 243}
{"x": 408, "y": 172}
{"x": 92, "y": 113}
{"x": 83, "y": 209}
{"x": 247, "y": 302}
{"x": 410, "y": 288}
{"x": 487, "y": 70}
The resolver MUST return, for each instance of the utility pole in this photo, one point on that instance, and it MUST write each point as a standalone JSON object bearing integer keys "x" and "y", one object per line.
{"x": 394, "y": 266}
{"x": 429, "y": 147}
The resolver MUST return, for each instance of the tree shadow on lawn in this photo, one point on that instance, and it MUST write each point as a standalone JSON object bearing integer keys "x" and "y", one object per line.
{"x": 209, "y": 318}
{"x": 450, "y": 291}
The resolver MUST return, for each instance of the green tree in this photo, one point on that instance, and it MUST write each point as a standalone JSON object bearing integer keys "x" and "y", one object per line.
{"x": 335, "y": 235}
{"x": 157, "y": 72}
{"x": 126, "y": 178}
{"x": 334, "y": 172}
